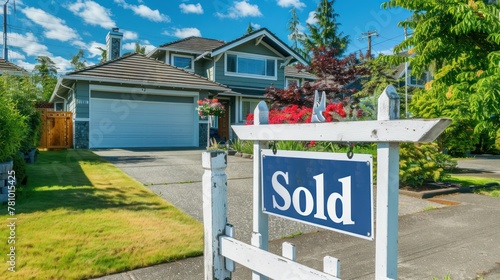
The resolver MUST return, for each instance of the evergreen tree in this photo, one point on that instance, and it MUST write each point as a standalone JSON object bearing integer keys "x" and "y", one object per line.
{"x": 250, "y": 28}
{"x": 140, "y": 49}
{"x": 104, "y": 55}
{"x": 296, "y": 36}
{"x": 325, "y": 32}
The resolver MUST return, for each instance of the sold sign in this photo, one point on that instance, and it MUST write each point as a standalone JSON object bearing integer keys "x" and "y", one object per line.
{"x": 323, "y": 189}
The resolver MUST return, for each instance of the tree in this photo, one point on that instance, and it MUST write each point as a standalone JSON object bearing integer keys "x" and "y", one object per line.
{"x": 461, "y": 39}
{"x": 45, "y": 74}
{"x": 104, "y": 54}
{"x": 77, "y": 62}
{"x": 324, "y": 33}
{"x": 333, "y": 73}
{"x": 139, "y": 49}
{"x": 250, "y": 28}
{"x": 295, "y": 34}
{"x": 379, "y": 74}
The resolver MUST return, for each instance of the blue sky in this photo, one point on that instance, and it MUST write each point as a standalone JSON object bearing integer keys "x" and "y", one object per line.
{"x": 59, "y": 28}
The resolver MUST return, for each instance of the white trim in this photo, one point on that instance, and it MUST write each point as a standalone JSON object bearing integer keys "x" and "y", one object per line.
{"x": 143, "y": 83}
{"x": 81, "y": 119}
{"x": 173, "y": 55}
{"x": 255, "y": 35}
{"x": 273, "y": 50}
{"x": 147, "y": 91}
{"x": 251, "y": 56}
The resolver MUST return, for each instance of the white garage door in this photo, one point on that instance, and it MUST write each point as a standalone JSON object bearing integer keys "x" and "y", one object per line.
{"x": 123, "y": 121}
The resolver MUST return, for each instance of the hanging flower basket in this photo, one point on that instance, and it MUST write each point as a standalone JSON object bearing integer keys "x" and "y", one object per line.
{"x": 210, "y": 107}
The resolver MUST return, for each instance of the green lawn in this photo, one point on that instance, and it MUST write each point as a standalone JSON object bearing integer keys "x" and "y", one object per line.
{"x": 476, "y": 181}
{"x": 86, "y": 218}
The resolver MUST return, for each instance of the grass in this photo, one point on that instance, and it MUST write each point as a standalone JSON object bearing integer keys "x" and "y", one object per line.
{"x": 85, "y": 218}
{"x": 476, "y": 181}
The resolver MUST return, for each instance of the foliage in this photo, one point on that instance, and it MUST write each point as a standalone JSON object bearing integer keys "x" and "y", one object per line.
{"x": 461, "y": 40}
{"x": 334, "y": 75}
{"x": 243, "y": 146}
{"x": 19, "y": 168}
{"x": 250, "y": 28}
{"x": 138, "y": 49}
{"x": 497, "y": 140}
{"x": 296, "y": 36}
{"x": 45, "y": 73}
{"x": 104, "y": 55}
{"x": 419, "y": 163}
{"x": 12, "y": 128}
{"x": 210, "y": 107}
{"x": 77, "y": 62}
{"x": 25, "y": 94}
{"x": 459, "y": 137}
{"x": 324, "y": 33}
{"x": 379, "y": 74}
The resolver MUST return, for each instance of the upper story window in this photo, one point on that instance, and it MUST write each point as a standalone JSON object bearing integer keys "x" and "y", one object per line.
{"x": 252, "y": 66}
{"x": 183, "y": 61}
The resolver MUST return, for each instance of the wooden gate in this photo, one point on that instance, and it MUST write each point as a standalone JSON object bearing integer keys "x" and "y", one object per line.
{"x": 57, "y": 130}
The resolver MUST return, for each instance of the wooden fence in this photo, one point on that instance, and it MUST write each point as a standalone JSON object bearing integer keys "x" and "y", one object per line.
{"x": 57, "y": 130}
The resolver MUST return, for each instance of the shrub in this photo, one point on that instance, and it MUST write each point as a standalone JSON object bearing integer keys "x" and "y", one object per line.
{"x": 24, "y": 94}
{"x": 19, "y": 168}
{"x": 12, "y": 129}
{"x": 419, "y": 163}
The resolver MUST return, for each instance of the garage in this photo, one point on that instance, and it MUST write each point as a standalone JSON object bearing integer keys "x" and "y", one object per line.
{"x": 121, "y": 120}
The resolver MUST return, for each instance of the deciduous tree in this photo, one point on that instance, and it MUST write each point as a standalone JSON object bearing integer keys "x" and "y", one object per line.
{"x": 45, "y": 73}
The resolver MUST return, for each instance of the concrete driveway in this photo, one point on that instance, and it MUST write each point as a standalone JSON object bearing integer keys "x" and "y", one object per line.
{"x": 461, "y": 240}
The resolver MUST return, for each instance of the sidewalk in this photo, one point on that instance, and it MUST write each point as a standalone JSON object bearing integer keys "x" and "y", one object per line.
{"x": 463, "y": 239}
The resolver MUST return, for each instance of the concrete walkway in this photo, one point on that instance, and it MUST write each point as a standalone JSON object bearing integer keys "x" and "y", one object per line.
{"x": 463, "y": 240}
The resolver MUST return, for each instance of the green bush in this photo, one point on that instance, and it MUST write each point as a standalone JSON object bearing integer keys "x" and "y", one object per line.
{"x": 497, "y": 140}
{"x": 12, "y": 128}
{"x": 419, "y": 163}
{"x": 19, "y": 168}
{"x": 24, "y": 95}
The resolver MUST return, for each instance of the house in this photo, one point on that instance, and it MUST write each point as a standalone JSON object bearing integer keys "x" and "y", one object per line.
{"x": 296, "y": 77}
{"x": 134, "y": 101}
{"x": 11, "y": 68}
{"x": 247, "y": 65}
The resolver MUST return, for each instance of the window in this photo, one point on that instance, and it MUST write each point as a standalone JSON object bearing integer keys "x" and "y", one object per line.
{"x": 247, "y": 107}
{"x": 182, "y": 61}
{"x": 417, "y": 81}
{"x": 255, "y": 66}
{"x": 291, "y": 81}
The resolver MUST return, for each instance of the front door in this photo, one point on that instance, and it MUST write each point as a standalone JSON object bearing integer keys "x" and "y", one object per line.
{"x": 223, "y": 122}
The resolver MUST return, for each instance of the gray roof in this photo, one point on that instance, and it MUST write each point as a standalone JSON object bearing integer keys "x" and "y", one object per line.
{"x": 194, "y": 44}
{"x": 6, "y": 66}
{"x": 291, "y": 71}
{"x": 137, "y": 69}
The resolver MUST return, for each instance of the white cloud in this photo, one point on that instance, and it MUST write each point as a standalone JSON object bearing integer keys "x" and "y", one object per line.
{"x": 92, "y": 13}
{"x": 130, "y": 35}
{"x": 312, "y": 19}
{"x": 28, "y": 43}
{"x": 128, "y": 47}
{"x": 186, "y": 32}
{"x": 93, "y": 49}
{"x": 26, "y": 65}
{"x": 144, "y": 11}
{"x": 255, "y": 25}
{"x": 291, "y": 3}
{"x": 145, "y": 44}
{"x": 191, "y": 8}
{"x": 63, "y": 65}
{"x": 15, "y": 55}
{"x": 241, "y": 9}
{"x": 54, "y": 28}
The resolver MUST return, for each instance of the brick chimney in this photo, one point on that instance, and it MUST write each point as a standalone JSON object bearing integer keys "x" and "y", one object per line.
{"x": 114, "y": 44}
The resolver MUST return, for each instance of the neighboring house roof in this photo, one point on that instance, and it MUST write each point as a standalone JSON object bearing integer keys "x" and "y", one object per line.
{"x": 292, "y": 72}
{"x": 194, "y": 44}
{"x": 137, "y": 69}
{"x": 400, "y": 69}
{"x": 212, "y": 48}
{"x": 6, "y": 66}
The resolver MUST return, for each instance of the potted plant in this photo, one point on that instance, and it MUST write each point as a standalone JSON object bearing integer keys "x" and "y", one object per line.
{"x": 208, "y": 108}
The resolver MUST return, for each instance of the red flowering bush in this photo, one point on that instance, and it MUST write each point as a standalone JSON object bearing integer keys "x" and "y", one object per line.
{"x": 295, "y": 114}
{"x": 210, "y": 107}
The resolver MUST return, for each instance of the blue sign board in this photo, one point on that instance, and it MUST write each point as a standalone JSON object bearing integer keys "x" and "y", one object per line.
{"x": 322, "y": 189}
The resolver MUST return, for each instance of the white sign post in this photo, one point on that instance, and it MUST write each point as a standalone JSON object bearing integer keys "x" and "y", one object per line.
{"x": 387, "y": 132}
